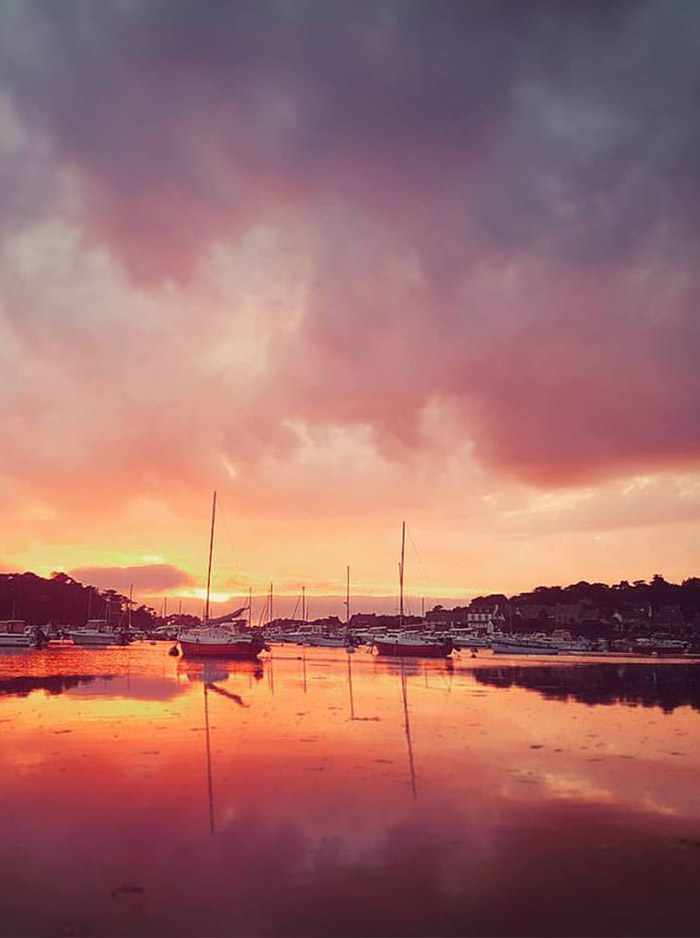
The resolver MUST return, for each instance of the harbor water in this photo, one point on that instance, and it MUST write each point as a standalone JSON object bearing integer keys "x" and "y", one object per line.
{"x": 316, "y": 792}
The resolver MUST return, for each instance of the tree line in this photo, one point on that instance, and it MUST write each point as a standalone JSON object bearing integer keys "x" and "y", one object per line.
{"x": 62, "y": 600}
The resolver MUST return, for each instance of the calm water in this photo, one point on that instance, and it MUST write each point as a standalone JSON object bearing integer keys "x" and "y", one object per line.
{"x": 336, "y": 794}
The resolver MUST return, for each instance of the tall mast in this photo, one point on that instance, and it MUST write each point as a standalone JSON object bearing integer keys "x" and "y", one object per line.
{"x": 270, "y": 602}
{"x": 401, "y": 565}
{"x": 250, "y": 605}
{"x": 347, "y": 597}
{"x": 303, "y": 604}
{"x": 211, "y": 553}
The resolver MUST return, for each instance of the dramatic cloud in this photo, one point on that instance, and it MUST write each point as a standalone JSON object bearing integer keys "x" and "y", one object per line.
{"x": 241, "y": 239}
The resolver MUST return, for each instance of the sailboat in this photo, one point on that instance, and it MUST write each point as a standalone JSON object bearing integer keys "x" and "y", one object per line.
{"x": 224, "y": 640}
{"x": 406, "y": 644}
{"x": 341, "y": 639}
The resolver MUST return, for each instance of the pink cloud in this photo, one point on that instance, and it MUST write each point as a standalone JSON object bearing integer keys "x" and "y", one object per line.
{"x": 261, "y": 233}
{"x": 145, "y": 578}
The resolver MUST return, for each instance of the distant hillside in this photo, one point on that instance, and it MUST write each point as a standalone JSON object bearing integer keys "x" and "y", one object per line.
{"x": 596, "y": 608}
{"x": 61, "y": 600}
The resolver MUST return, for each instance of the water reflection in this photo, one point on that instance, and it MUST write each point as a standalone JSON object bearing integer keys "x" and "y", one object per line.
{"x": 51, "y": 683}
{"x": 635, "y": 684}
{"x": 407, "y": 728}
{"x": 414, "y": 667}
{"x": 126, "y": 686}
{"x": 341, "y": 795}
{"x": 210, "y": 790}
{"x": 210, "y": 670}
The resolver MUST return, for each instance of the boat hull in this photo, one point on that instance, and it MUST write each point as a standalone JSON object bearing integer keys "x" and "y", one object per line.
{"x": 462, "y": 642}
{"x": 221, "y": 649}
{"x": 515, "y": 649}
{"x": 99, "y": 639}
{"x": 658, "y": 650}
{"x": 320, "y": 642}
{"x": 16, "y": 641}
{"x": 413, "y": 650}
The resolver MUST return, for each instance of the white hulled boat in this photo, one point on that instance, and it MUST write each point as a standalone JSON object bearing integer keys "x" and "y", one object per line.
{"x": 573, "y": 646}
{"x": 328, "y": 641}
{"x": 14, "y": 633}
{"x": 335, "y": 639}
{"x": 97, "y": 633}
{"x": 659, "y": 646}
{"x": 291, "y": 638}
{"x": 466, "y": 639}
{"x": 523, "y": 645}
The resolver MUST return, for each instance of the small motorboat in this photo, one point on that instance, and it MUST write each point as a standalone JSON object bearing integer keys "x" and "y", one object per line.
{"x": 328, "y": 641}
{"x": 523, "y": 645}
{"x": 15, "y": 633}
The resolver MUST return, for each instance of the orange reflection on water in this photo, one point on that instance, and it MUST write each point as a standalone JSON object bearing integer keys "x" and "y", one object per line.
{"x": 147, "y": 794}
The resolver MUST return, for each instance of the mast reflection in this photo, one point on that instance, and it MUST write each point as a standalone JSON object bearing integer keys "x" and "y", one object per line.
{"x": 210, "y": 788}
{"x": 209, "y": 672}
{"x": 407, "y": 729}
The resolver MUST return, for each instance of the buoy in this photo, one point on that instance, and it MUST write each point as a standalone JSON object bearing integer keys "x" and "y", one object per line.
{"x": 174, "y": 652}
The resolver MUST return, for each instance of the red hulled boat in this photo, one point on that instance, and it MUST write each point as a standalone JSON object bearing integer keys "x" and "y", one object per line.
{"x": 220, "y": 641}
{"x": 406, "y": 644}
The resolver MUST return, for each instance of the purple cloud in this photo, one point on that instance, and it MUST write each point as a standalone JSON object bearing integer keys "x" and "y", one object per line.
{"x": 498, "y": 203}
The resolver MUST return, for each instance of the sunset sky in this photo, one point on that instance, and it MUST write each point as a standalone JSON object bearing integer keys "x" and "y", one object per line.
{"x": 350, "y": 263}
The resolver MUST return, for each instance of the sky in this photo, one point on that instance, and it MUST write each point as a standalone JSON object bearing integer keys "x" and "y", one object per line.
{"x": 349, "y": 264}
